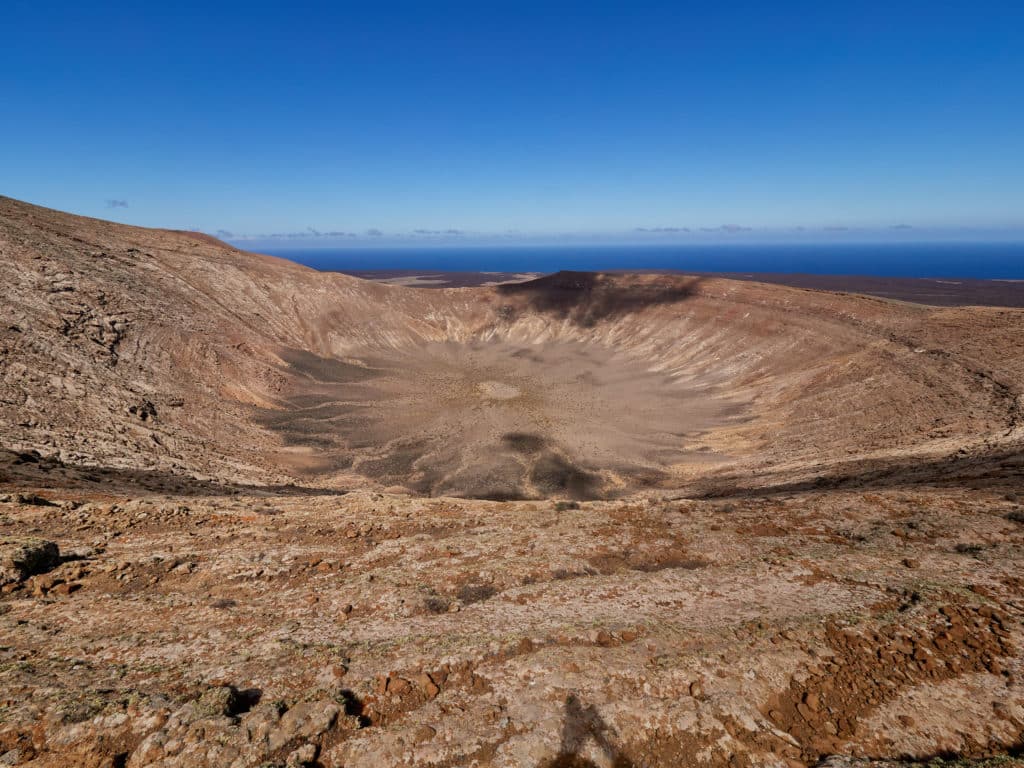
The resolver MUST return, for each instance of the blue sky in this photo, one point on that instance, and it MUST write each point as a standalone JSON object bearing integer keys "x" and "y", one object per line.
{"x": 416, "y": 122}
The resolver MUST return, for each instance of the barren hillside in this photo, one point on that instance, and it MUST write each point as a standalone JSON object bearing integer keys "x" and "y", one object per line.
{"x": 256, "y": 514}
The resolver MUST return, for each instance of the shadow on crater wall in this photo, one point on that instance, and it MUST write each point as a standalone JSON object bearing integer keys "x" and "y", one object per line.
{"x": 30, "y": 469}
{"x": 588, "y": 298}
{"x": 999, "y": 470}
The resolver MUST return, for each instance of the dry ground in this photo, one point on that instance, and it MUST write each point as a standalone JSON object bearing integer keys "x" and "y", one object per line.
{"x": 742, "y": 525}
{"x": 770, "y": 630}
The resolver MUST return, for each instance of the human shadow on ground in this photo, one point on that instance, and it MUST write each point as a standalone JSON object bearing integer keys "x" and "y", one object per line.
{"x": 581, "y": 724}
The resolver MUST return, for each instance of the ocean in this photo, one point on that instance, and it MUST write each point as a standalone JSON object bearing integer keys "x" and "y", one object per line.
{"x": 940, "y": 260}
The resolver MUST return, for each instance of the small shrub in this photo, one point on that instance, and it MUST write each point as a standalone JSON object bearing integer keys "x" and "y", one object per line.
{"x": 436, "y": 604}
{"x": 82, "y": 709}
{"x": 476, "y": 593}
{"x": 969, "y": 549}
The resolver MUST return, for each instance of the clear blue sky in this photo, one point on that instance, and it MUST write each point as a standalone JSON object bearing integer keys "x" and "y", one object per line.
{"x": 519, "y": 120}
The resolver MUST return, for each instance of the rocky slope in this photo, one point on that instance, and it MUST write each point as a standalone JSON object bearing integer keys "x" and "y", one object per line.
{"x": 251, "y": 514}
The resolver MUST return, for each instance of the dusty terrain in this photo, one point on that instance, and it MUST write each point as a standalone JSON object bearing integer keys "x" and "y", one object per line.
{"x": 252, "y": 514}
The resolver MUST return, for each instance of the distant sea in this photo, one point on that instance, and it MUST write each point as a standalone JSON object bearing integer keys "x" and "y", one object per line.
{"x": 940, "y": 260}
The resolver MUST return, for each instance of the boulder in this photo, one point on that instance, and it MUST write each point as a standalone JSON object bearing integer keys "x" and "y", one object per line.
{"x": 20, "y": 559}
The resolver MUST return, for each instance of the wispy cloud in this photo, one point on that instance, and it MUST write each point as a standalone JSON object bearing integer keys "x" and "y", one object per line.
{"x": 309, "y": 234}
{"x": 901, "y": 226}
{"x": 727, "y": 228}
{"x": 312, "y": 233}
{"x": 117, "y": 203}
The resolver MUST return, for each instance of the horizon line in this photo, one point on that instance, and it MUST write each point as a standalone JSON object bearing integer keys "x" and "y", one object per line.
{"x": 314, "y": 245}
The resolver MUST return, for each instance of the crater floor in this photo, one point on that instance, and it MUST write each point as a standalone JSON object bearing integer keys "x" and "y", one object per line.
{"x": 500, "y": 420}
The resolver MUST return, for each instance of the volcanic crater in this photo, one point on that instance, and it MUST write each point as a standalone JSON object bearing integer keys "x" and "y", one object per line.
{"x": 500, "y": 416}
{"x": 253, "y": 514}
{"x": 179, "y": 355}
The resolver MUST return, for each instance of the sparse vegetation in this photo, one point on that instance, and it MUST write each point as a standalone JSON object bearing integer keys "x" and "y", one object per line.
{"x": 475, "y": 593}
{"x": 998, "y": 761}
{"x": 436, "y": 604}
{"x": 967, "y": 548}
